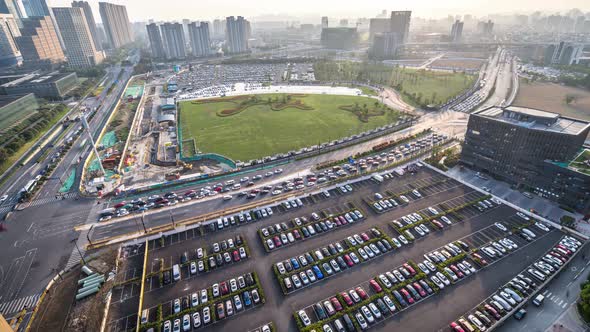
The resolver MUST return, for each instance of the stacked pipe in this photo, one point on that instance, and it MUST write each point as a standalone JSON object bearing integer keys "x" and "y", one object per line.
{"x": 90, "y": 284}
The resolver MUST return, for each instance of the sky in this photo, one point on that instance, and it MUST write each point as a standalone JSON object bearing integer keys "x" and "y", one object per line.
{"x": 142, "y": 10}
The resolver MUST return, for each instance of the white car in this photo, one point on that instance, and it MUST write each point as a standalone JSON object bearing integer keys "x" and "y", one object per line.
{"x": 501, "y": 227}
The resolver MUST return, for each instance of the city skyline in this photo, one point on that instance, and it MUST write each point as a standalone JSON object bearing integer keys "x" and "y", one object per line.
{"x": 307, "y": 10}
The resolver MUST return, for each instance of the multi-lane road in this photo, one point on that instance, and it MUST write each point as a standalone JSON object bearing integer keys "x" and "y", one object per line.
{"x": 40, "y": 239}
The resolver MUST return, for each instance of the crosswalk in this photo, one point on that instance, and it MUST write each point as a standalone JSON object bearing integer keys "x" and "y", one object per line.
{"x": 14, "y": 306}
{"x": 51, "y": 199}
{"x": 75, "y": 255}
{"x": 555, "y": 299}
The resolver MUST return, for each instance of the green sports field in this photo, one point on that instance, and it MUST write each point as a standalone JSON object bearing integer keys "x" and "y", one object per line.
{"x": 244, "y": 128}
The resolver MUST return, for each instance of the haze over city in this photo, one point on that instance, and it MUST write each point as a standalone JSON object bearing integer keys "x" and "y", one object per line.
{"x": 307, "y": 166}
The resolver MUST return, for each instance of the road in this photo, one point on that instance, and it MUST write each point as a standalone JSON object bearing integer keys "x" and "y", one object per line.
{"x": 38, "y": 240}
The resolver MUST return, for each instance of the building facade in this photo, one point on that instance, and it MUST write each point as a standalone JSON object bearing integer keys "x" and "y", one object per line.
{"x": 91, "y": 22}
{"x": 35, "y": 8}
{"x": 378, "y": 25}
{"x": 199, "y": 38}
{"x": 237, "y": 34}
{"x": 339, "y": 38}
{"x": 400, "y": 24}
{"x": 324, "y": 22}
{"x": 116, "y": 24}
{"x": 156, "y": 42}
{"x": 23, "y": 104}
{"x": 12, "y": 7}
{"x": 173, "y": 40}
{"x": 384, "y": 45}
{"x": 9, "y": 52}
{"x": 564, "y": 53}
{"x": 39, "y": 42}
{"x": 77, "y": 37}
{"x": 457, "y": 32}
{"x": 531, "y": 149}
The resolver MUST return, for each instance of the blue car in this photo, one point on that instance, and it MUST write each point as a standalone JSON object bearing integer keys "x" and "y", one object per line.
{"x": 247, "y": 299}
{"x": 295, "y": 263}
{"x": 318, "y": 272}
{"x": 400, "y": 298}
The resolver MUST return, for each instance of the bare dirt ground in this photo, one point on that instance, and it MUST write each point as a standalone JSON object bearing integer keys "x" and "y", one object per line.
{"x": 553, "y": 98}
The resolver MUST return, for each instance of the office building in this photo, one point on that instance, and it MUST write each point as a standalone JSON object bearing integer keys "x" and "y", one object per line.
{"x": 339, "y": 38}
{"x": 173, "y": 40}
{"x": 485, "y": 28}
{"x": 9, "y": 52}
{"x": 218, "y": 29}
{"x": 533, "y": 150}
{"x": 13, "y": 7}
{"x": 199, "y": 39}
{"x": 91, "y": 22}
{"x": 52, "y": 86}
{"x": 457, "y": 32}
{"x": 156, "y": 42}
{"x": 384, "y": 45}
{"x": 324, "y": 22}
{"x": 237, "y": 34}
{"x": 35, "y": 8}
{"x": 400, "y": 24}
{"x": 116, "y": 24}
{"x": 77, "y": 38}
{"x": 564, "y": 53}
{"x": 18, "y": 104}
{"x": 344, "y": 23}
{"x": 39, "y": 42}
{"x": 378, "y": 25}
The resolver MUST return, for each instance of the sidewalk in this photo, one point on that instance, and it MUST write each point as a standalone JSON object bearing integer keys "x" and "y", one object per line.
{"x": 569, "y": 321}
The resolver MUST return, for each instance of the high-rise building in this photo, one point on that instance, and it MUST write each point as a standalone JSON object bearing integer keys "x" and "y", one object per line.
{"x": 564, "y": 53}
{"x": 199, "y": 38}
{"x": 156, "y": 42}
{"x": 457, "y": 31}
{"x": 344, "y": 23}
{"x": 339, "y": 38}
{"x": 533, "y": 150}
{"x": 173, "y": 38}
{"x": 116, "y": 24}
{"x": 237, "y": 34}
{"x": 9, "y": 53}
{"x": 378, "y": 25}
{"x": 185, "y": 23}
{"x": 39, "y": 43}
{"x": 400, "y": 24}
{"x": 77, "y": 38}
{"x": 91, "y": 22}
{"x": 324, "y": 22}
{"x": 485, "y": 28}
{"x": 35, "y": 8}
{"x": 218, "y": 28}
{"x": 384, "y": 45}
{"x": 12, "y": 7}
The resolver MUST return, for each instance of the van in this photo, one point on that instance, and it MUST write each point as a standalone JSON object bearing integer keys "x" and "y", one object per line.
{"x": 538, "y": 300}
{"x": 236, "y": 186}
{"x": 176, "y": 272}
{"x": 144, "y": 316}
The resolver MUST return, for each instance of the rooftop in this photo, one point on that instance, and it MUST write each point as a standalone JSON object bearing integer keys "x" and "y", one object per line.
{"x": 580, "y": 164}
{"x": 535, "y": 119}
{"x": 8, "y": 99}
{"x": 37, "y": 78}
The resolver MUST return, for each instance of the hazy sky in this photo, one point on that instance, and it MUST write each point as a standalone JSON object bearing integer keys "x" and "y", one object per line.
{"x": 142, "y": 10}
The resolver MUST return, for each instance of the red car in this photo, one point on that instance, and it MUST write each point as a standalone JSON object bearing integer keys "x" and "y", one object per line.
{"x": 419, "y": 289}
{"x": 407, "y": 295}
{"x": 119, "y": 205}
{"x": 236, "y": 256}
{"x": 361, "y": 292}
{"x": 348, "y": 260}
{"x": 277, "y": 241}
{"x": 564, "y": 248}
{"x": 456, "y": 270}
{"x": 337, "y": 221}
{"x": 481, "y": 260}
{"x": 342, "y": 220}
{"x": 409, "y": 268}
{"x": 190, "y": 192}
{"x": 218, "y": 189}
{"x": 438, "y": 224}
{"x": 456, "y": 327}
{"x": 336, "y": 304}
{"x": 223, "y": 288}
{"x": 347, "y": 299}
{"x": 490, "y": 310}
{"x": 296, "y": 234}
{"x": 376, "y": 287}
{"x": 364, "y": 236}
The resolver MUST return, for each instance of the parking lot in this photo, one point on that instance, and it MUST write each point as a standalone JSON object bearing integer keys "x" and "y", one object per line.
{"x": 472, "y": 224}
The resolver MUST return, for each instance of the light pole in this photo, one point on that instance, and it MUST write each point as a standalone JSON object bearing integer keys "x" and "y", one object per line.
{"x": 88, "y": 235}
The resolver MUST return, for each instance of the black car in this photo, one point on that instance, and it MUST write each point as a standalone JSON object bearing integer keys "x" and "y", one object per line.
{"x": 288, "y": 266}
{"x": 382, "y": 307}
{"x": 317, "y": 227}
{"x": 399, "y": 298}
{"x": 183, "y": 258}
{"x": 341, "y": 262}
{"x": 223, "y": 245}
{"x": 185, "y": 303}
{"x": 381, "y": 246}
{"x": 348, "y": 322}
{"x": 425, "y": 285}
{"x": 239, "y": 240}
{"x": 219, "y": 259}
{"x": 309, "y": 258}
{"x": 166, "y": 277}
{"x": 325, "y": 252}
{"x": 305, "y": 231}
{"x": 249, "y": 279}
{"x": 323, "y": 226}
{"x": 332, "y": 249}
{"x": 386, "y": 244}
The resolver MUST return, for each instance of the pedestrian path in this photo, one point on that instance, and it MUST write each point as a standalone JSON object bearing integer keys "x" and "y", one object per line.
{"x": 51, "y": 199}
{"x": 555, "y": 299}
{"x": 16, "y": 305}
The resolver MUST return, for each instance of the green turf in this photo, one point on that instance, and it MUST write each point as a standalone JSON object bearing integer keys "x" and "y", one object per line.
{"x": 258, "y": 131}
